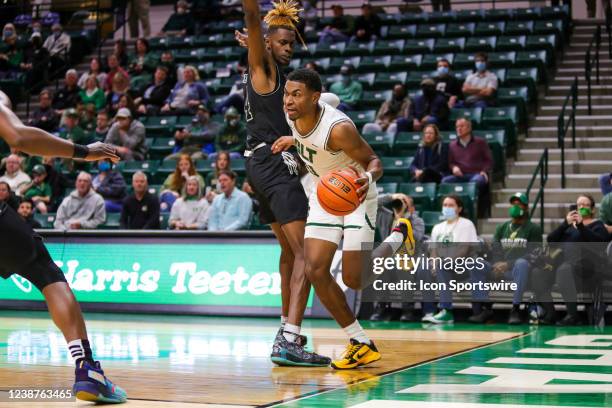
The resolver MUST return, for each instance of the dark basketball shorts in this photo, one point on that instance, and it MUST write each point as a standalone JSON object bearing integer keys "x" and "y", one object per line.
{"x": 23, "y": 252}
{"x": 276, "y": 182}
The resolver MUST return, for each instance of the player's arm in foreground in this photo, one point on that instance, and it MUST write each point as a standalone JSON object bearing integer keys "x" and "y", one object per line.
{"x": 262, "y": 68}
{"x": 344, "y": 136}
{"x": 37, "y": 142}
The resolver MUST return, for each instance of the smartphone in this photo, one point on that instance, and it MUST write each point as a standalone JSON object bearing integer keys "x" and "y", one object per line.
{"x": 573, "y": 207}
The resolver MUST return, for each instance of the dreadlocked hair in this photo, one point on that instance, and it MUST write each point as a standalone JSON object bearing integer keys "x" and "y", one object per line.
{"x": 284, "y": 14}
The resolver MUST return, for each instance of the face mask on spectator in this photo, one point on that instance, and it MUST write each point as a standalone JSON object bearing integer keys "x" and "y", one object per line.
{"x": 104, "y": 166}
{"x": 233, "y": 122}
{"x": 449, "y": 213}
{"x": 584, "y": 212}
{"x": 442, "y": 71}
{"x": 480, "y": 66}
{"x": 516, "y": 211}
{"x": 56, "y": 33}
{"x": 346, "y": 79}
{"x": 8, "y": 33}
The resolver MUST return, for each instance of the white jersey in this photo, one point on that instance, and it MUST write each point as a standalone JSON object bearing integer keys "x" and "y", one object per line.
{"x": 313, "y": 149}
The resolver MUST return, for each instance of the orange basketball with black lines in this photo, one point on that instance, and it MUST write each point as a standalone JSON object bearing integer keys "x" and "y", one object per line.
{"x": 337, "y": 192}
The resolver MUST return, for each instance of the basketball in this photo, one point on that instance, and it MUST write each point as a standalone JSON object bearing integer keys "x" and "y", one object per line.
{"x": 337, "y": 192}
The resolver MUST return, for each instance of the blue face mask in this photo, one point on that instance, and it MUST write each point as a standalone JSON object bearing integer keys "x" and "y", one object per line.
{"x": 104, "y": 166}
{"x": 448, "y": 213}
{"x": 480, "y": 66}
{"x": 442, "y": 71}
{"x": 8, "y": 33}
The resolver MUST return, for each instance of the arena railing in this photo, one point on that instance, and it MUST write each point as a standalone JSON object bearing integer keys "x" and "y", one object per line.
{"x": 542, "y": 170}
{"x": 591, "y": 59}
{"x": 563, "y": 125}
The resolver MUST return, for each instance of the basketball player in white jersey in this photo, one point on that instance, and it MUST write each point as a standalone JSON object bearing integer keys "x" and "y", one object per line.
{"x": 327, "y": 140}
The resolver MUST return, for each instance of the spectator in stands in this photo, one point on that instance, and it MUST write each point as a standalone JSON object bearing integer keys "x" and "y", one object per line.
{"x": 26, "y": 210}
{"x": 309, "y": 14}
{"x": 175, "y": 182}
{"x": 440, "y": 5}
{"x": 126, "y": 101}
{"x": 196, "y": 139}
{"x": 469, "y": 157}
{"x": 113, "y": 69}
{"x": 222, "y": 162}
{"x": 102, "y": 126}
{"x": 430, "y": 162}
{"x": 82, "y": 209}
{"x": 11, "y": 54}
{"x": 142, "y": 65}
{"x": 605, "y": 183}
{"x": 480, "y": 87}
{"x": 180, "y": 23}
{"x": 429, "y": 108}
{"x": 511, "y": 240}
{"x": 58, "y": 181}
{"x": 191, "y": 210}
{"x": 605, "y": 212}
{"x": 231, "y": 210}
{"x": 235, "y": 98}
{"x": 120, "y": 51}
{"x": 154, "y": 97}
{"x": 138, "y": 10}
{"x": 390, "y": 110}
{"x": 367, "y": 25}
{"x": 35, "y": 63}
{"x": 128, "y": 135}
{"x": 110, "y": 184}
{"x": 447, "y": 83}
{"x": 95, "y": 68}
{"x": 87, "y": 117}
{"x": 232, "y": 135}
{"x": 7, "y": 196}
{"x": 71, "y": 129}
{"x": 577, "y": 272}
{"x": 187, "y": 95}
{"x": 167, "y": 60}
{"x": 68, "y": 96}
{"x": 58, "y": 44}
{"x": 141, "y": 208}
{"x": 461, "y": 233}
{"x": 347, "y": 89}
{"x": 339, "y": 29}
{"x": 14, "y": 176}
{"x": 246, "y": 187}
{"x": 120, "y": 87}
{"x": 44, "y": 117}
{"x": 38, "y": 190}
{"x": 92, "y": 94}
{"x": 313, "y": 66}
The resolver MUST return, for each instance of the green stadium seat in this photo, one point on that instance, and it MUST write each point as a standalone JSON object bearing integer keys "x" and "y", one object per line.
{"x": 548, "y": 42}
{"x": 189, "y": 56}
{"x": 460, "y": 30}
{"x": 112, "y": 221}
{"x": 356, "y": 48}
{"x": 179, "y": 42}
{"x": 301, "y": 52}
{"x": 158, "y": 43}
{"x": 423, "y": 194}
{"x": 402, "y": 31}
{"x": 154, "y": 189}
{"x": 373, "y": 99}
{"x": 160, "y": 125}
{"x": 511, "y": 43}
{"x": 163, "y": 170}
{"x": 239, "y": 166}
{"x": 516, "y": 96}
{"x": 183, "y": 121}
{"x": 538, "y": 58}
{"x": 523, "y": 76}
{"x": 330, "y": 50}
{"x": 397, "y": 166}
{"x": 549, "y": 27}
{"x": 360, "y": 118}
{"x": 405, "y": 62}
{"x": 164, "y": 218}
{"x": 337, "y": 62}
{"x": 405, "y": 142}
{"x": 374, "y": 63}
{"x": 214, "y": 54}
{"x": 413, "y": 82}
{"x": 256, "y": 225}
{"x": 532, "y": 13}
{"x": 389, "y": 19}
{"x": 387, "y": 188}
{"x": 45, "y": 220}
{"x": 449, "y": 44}
{"x": 463, "y": 61}
{"x": 480, "y": 44}
{"x": 448, "y": 136}
{"x": 431, "y": 218}
{"x": 498, "y": 14}
{"x": 430, "y": 61}
{"x": 555, "y": 12}
{"x": 367, "y": 80}
{"x": 442, "y": 16}
{"x": 500, "y": 73}
{"x": 487, "y": 28}
{"x": 386, "y": 80}
{"x": 502, "y": 59}
{"x": 418, "y": 46}
{"x": 389, "y": 47}
{"x": 470, "y": 15}
{"x": 505, "y": 117}
{"x": 519, "y": 28}
{"x": 473, "y": 114}
{"x": 130, "y": 167}
{"x": 431, "y": 30}
{"x": 380, "y": 142}
{"x": 468, "y": 192}
{"x": 496, "y": 141}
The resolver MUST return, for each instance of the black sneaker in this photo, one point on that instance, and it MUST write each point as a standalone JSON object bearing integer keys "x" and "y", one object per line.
{"x": 570, "y": 320}
{"x": 515, "y": 316}
{"x": 407, "y": 316}
{"x": 301, "y": 339}
{"x": 481, "y": 317}
{"x": 286, "y": 353}
{"x": 382, "y": 313}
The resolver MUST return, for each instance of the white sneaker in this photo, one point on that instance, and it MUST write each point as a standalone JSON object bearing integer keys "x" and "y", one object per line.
{"x": 428, "y": 318}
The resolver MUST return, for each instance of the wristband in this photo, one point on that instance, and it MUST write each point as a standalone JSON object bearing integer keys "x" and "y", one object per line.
{"x": 80, "y": 151}
{"x": 369, "y": 177}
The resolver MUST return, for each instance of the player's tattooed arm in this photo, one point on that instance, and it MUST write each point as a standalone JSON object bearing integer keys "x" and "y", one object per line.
{"x": 344, "y": 136}
{"x": 261, "y": 68}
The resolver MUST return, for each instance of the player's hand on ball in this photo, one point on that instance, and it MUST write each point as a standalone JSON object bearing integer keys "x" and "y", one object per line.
{"x": 363, "y": 181}
{"x": 99, "y": 151}
{"x": 282, "y": 144}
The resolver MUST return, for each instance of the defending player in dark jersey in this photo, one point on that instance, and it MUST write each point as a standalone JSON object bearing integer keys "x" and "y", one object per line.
{"x": 23, "y": 252}
{"x": 274, "y": 177}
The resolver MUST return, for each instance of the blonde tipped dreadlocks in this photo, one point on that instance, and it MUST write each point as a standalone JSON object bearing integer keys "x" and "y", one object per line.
{"x": 285, "y": 14}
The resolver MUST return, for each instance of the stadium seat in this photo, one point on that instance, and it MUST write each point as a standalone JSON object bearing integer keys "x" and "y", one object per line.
{"x": 405, "y": 62}
{"x": 464, "y": 60}
{"x": 423, "y": 194}
{"x": 401, "y": 31}
{"x": 430, "y": 61}
{"x": 164, "y": 217}
{"x": 480, "y": 44}
{"x": 45, "y": 220}
{"x": 163, "y": 170}
{"x": 431, "y": 218}
{"x": 460, "y": 30}
{"x": 386, "y": 80}
{"x": 179, "y": 42}
{"x": 470, "y": 15}
{"x": 256, "y": 225}
{"x": 519, "y": 28}
{"x": 154, "y": 189}
{"x": 406, "y": 142}
{"x": 449, "y": 45}
{"x": 537, "y": 58}
{"x": 548, "y": 42}
{"x": 498, "y": 14}
{"x": 442, "y": 16}
{"x": 360, "y": 118}
{"x": 112, "y": 221}
{"x": 397, "y": 166}
{"x": 532, "y": 13}
{"x": 505, "y": 117}
{"x": 329, "y": 50}
{"x": 468, "y": 192}
{"x": 367, "y": 80}
{"x": 431, "y": 30}
{"x": 130, "y": 167}
{"x": 511, "y": 43}
{"x": 418, "y": 46}
{"x": 337, "y": 62}
{"x": 160, "y": 125}
{"x": 413, "y": 81}
{"x": 549, "y": 27}
{"x": 161, "y": 147}
{"x": 523, "y": 76}
{"x": 473, "y": 114}
{"x": 357, "y": 48}
{"x": 556, "y": 12}
{"x": 387, "y": 188}
{"x": 389, "y": 47}
{"x": 380, "y": 142}
{"x": 486, "y": 28}
{"x": 189, "y": 56}
{"x": 496, "y": 141}
{"x": 502, "y": 59}
{"x": 374, "y": 63}
{"x": 373, "y": 99}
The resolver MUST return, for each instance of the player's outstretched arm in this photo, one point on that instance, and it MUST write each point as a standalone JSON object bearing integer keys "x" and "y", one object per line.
{"x": 37, "y": 142}
{"x": 261, "y": 69}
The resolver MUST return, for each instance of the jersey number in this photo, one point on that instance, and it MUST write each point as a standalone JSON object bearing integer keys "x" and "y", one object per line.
{"x": 247, "y": 110}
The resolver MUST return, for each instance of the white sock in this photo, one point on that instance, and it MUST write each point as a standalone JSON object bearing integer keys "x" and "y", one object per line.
{"x": 355, "y": 331}
{"x": 284, "y": 320}
{"x": 395, "y": 240}
{"x": 291, "y": 331}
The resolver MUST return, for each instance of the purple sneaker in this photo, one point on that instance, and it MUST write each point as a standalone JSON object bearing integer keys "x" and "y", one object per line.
{"x": 91, "y": 384}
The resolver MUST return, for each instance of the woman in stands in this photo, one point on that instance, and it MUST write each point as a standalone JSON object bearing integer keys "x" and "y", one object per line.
{"x": 190, "y": 211}
{"x": 222, "y": 162}
{"x": 174, "y": 184}
{"x": 430, "y": 161}
{"x": 94, "y": 69}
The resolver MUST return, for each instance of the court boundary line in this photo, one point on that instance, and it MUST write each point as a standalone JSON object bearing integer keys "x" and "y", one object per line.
{"x": 397, "y": 370}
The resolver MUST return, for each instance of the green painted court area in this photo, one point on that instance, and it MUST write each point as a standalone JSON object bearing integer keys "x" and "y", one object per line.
{"x": 544, "y": 367}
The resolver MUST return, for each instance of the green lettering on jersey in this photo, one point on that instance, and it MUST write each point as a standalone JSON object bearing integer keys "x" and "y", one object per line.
{"x": 307, "y": 155}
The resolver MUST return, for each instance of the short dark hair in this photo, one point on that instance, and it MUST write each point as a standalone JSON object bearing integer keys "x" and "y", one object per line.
{"x": 590, "y": 197}
{"x": 308, "y": 77}
{"x": 457, "y": 201}
{"x": 444, "y": 60}
{"x": 273, "y": 29}
{"x": 228, "y": 173}
{"x": 481, "y": 55}
{"x": 27, "y": 200}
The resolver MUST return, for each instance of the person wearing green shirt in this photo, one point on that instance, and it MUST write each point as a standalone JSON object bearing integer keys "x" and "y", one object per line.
{"x": 71, "y": 129}
{"x": 232, "y": 135}
{"x": 511, "y": 241}
{"x": 92, "y": 94}
{"x": 347, "y": 89}
{"x": 38, "y": 190}
{"x": 605, "y": 212}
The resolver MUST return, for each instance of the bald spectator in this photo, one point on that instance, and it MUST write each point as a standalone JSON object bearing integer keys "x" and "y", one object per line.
{"x": 128, "y": 135}
{"x": 44, "y": 117}
{"x": 141, "y": 208}
{"x": 14, "y": 176}
{"x": 68, "y": 96}
{"x": 82, "y": 209}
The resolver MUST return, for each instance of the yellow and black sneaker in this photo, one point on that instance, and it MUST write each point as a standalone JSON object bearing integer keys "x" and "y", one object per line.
{"x": 357, "y": 354}
{"x": 404, "y": 226}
